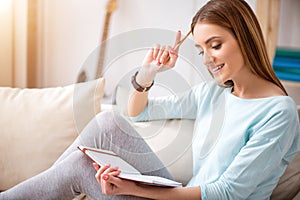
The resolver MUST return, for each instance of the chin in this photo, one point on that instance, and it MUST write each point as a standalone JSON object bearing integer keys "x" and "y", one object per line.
{"x": 218, "y": 78}
{"x": 221, "y": 81}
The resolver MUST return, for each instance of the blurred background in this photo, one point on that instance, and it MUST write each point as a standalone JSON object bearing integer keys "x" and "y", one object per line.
{"x": 45, "y": 43}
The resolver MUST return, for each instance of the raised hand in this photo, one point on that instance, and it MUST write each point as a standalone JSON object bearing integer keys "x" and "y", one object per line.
{"x": 158, "y": 58}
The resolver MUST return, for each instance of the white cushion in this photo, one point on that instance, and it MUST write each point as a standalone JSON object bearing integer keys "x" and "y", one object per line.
{"x": 37, "y": 125}
{"x": 171, "y": 139}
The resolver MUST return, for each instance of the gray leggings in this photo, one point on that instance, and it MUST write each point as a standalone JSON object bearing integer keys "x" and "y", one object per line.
{"x": 73, "y": 173}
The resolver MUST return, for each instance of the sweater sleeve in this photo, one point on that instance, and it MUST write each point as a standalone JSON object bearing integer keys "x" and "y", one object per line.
{"x": 177, "y": 106}
{"x": 270, "y": 148}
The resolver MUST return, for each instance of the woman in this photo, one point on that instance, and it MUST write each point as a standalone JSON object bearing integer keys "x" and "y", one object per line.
{"x": 257, "y": 131}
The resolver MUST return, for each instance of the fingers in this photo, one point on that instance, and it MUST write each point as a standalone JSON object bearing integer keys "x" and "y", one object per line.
{"x": 163, "y": 55}
{"x": 154, "y": 55}
{"x": 110, "y": 175}
{"x": 109, "y": 180}
{"x": 100, "y": 171}
{"x": 96, "y": 166}
{"x": 157, "y": 53}
{"x": 156, "y": 49}
{"x": 168, "y": 55}
{"x": 110, "y": 183}
{"x": 111, "y": 171}
{"x": 173, "y": 56}
{"x": 177, "y": 40}
{"x": 149, "y": 57}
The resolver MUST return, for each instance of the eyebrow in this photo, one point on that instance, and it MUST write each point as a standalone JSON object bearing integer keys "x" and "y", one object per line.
{"x": 211, "y": 38}
{"x": 207, "y": 41}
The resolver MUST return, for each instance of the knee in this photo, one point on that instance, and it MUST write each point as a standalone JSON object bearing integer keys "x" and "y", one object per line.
{"x": 113, "y": 122}
{"x": 75, "y": 162}
{"x": 111, "y": 117}
{"x": 105, "y": 115}
{"x": 108, "y": 120}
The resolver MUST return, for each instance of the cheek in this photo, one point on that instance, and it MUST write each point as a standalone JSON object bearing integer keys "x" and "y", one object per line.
{"x": 234, "y": 56}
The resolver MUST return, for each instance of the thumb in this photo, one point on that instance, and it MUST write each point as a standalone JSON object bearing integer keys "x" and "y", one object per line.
{"x": 96, "y": 166}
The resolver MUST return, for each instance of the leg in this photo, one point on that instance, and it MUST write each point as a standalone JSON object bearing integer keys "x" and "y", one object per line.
{"x": 123, "y": 139}
{"x": 110, "y": 131}
{"x": 64, "y": 181}
{"x": 74, "y": 174}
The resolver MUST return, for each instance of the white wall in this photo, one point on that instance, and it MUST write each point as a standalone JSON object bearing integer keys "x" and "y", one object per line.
{"x": 289, "y": 29}
{"x": 71, "y": 30}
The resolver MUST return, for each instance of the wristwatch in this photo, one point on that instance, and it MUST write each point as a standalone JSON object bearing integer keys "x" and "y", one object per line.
{"x": 137, "y": 86}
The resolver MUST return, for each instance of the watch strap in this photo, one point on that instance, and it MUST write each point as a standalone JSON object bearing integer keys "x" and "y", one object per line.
{"x": 137, "y": 86}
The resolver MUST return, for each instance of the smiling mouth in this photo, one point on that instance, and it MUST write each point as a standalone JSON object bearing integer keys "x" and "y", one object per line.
{"x": 215, "y": 69}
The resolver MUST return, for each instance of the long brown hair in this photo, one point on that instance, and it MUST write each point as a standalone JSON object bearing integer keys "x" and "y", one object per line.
{"x": 238, "y": 17}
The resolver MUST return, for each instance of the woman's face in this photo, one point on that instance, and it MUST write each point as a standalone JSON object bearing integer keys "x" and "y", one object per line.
{"x": 220, "y": 50}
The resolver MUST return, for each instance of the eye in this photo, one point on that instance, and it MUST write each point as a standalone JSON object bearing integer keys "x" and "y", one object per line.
{"x": 218, "y": 46}
{"x": 201, "y": 53}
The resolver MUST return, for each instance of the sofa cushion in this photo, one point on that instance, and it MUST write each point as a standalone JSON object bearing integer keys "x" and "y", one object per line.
{"x": 289, "y": 184}
{"x": 37, "y": 125}
{"x": 171, "y": 139}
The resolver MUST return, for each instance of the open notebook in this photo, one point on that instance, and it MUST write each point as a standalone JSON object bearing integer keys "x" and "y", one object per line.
{"x": 102, "y": 157}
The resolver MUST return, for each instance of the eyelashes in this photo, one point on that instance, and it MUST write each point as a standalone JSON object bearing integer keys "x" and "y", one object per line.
{"x": 216, "y": 47}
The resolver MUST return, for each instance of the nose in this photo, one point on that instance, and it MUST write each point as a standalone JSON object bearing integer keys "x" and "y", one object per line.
{"x": 207, "y": 60}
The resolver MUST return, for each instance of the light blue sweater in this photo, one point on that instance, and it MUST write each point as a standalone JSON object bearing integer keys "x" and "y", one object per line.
{"x": 241, "y": 147}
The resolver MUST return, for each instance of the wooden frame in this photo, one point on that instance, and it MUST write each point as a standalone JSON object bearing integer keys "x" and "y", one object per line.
{"x": 32, "y": 37}
{"x": 267, "y": 12}
{"x": 6, "y": 44}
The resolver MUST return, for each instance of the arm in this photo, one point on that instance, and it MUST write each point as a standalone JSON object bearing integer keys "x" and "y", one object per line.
{"x": 257, "y": 167}
{"x": 167, "y": 193}
{"x": 154, "y": 62}
{"x": 137, "y": 103}
{"x": 112, "y": 185}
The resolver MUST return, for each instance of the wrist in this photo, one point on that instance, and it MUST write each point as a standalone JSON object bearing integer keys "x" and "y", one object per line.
{"x": 142, "y": 190}
{"x": 139, "y": 87}
{"x": 146, "y": 75}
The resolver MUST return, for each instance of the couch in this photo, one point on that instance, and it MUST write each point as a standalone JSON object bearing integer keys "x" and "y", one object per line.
{"x": 37, "y": 125}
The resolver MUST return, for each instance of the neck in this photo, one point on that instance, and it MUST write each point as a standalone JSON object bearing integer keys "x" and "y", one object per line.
{"x": 249, "y": 85}
{"x": 254, "y": 86}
